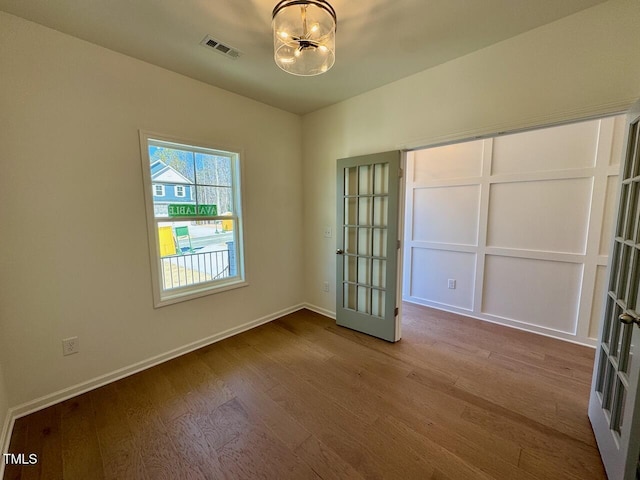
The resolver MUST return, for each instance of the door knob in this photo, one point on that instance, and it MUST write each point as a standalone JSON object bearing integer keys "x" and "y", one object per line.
{"x": 339, "y": 251}
{"x": 628, "y": 319}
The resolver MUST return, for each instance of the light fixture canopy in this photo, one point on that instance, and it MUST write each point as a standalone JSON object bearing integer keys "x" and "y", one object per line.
{"x": 304, "y": 36}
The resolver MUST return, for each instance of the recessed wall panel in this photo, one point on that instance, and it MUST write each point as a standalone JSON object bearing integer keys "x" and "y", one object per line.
{"x": 446, "y": 214}
{"x": 431, "y": 271}
{"x": 550, "y": 215}
{"x": 606, "y": 233}
{"x": 451, "y": 161}
{"x": 598, "y": 300}
{"x": 619, "y": 129}
{"x": 538, "y": 292}
{"x": 548, "y": 149}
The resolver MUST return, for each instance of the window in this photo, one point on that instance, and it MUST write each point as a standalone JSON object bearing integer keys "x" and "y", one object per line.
{"x": 195, "y": 235}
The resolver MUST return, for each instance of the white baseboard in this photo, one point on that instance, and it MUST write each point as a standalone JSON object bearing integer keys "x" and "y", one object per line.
{"x": 320, "y": 310}
{"x": 64, "y": 394}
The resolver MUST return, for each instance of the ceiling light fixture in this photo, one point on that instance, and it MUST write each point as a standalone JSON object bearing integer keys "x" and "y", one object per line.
{"x": 304, "y": 36}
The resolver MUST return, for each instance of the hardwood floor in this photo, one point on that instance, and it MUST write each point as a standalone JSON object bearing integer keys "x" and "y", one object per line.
{"x": 301, "y": 398}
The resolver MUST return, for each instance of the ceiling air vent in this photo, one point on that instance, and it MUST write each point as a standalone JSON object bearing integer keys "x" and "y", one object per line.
{"x": 220, "y": 47}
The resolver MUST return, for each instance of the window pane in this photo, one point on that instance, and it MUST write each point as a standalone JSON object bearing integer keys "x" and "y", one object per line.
{"x": 350, "y": 211}
{"x": 379, "y": 273}
{"x": 364, "y": 300}
{"x": 222, "y": 197}
{"x": 350, "y": 270}
{"x": 161, "y": 210}
{"x": 172, "y": 174}
{"x": 364, "y": 241}
{"x": 349, "y": 296}
{"x": 351, "y": 181}
{"x": 365, "y": 180}
{"x": 170, "y": 163}
{"x": 196, "y": 252}
{"x": 377, "y": 303}
{"x": 350, "y": 239}
{"x": 381, "y": 174}
{"x": 364, "y": 271}
{"x": 213, "y": 170}
{"x": 365, "y": 211}
{"x": 379, "y": 242}
{"x": 380, "y": 210}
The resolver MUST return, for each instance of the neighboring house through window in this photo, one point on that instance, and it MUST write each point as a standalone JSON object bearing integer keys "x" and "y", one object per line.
{"x": 194, "y": 218}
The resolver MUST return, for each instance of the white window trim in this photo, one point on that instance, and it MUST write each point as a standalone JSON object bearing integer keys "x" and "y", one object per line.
{"x": 160, "y": 298}
{"x": 162, "y": 189}
{"x": 178, "y": 189}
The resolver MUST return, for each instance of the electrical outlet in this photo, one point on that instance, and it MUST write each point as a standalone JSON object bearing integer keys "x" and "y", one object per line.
{"x": 325, "y": 286}
{"x": 451, "y": 283}
{"x": 327, "y": 232}
{"x": 70, "y": 345}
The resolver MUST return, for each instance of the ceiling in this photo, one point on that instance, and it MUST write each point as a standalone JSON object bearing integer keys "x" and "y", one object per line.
{"x": 378, "y": 41}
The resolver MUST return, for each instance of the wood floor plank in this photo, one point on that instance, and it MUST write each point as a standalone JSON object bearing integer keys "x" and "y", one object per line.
{"x": 323, "y": 460}
{"x": 206, "y": 391}
{"x": 81, "y": 456}
{"x": 506, "y": 450}
{"x": 120, "y": 456}
{"x": 301, "y": 398}
{"x": 227, "y": 422}
{"x": 192, "y": 445}
{"x": 533, "y": 397}
{"x": 468, "y": 441}
{"x": 515, "y": 399}
{"x": 17, "y": 445}
{"x": 313, "y": 407}
{"x": 314, "y": 328}
{"x": 572, "y": 455}
{"x": 547, "y": 466}
{"x": 44, "y": 438}
{"x": 508, "y": 341}
{"x": 577, "y": 367}
{"x": 450, "y": 464}
{"x": 277, "y": 337}
{"x": 257, "y": 455}
{"x": 348, "y": 395}
{"x": 561, "y": 380}
{"x": 316, "y": 412}
{"x": 243, "y": 383}
{"x": 150, "y": 435}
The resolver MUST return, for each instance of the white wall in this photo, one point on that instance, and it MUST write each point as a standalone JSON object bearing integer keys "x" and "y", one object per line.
{"x": 517, "y": 222}
{"x": 583, "y": 65}
{"x": 74, "y": 240}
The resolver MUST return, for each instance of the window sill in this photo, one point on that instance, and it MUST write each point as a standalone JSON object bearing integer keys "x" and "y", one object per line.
{"x": 162, "y": 300}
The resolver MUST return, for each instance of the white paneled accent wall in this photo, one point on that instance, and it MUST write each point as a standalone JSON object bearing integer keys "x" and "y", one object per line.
{"x": 520, "y": 223}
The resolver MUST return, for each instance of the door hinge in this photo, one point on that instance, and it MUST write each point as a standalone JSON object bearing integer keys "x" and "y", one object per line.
{"x": 398, "y": 244}
{"x": 400, "y": 173}
{"x": 396, "y": 311}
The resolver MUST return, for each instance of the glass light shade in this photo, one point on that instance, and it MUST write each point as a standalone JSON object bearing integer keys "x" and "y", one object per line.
{"x": 304, "y": 36}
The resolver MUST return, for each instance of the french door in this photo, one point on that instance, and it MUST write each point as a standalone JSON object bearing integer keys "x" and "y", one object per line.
{"x": 368, "y": 190}
{"x": 614, "y": 404}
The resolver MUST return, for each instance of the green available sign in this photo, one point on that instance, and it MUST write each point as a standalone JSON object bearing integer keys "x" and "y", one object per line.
{"x": 181, "y": 210}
